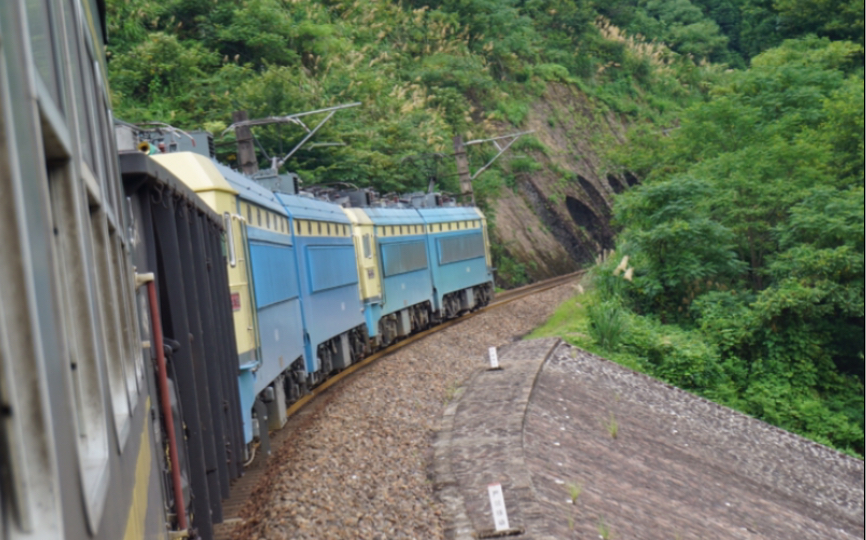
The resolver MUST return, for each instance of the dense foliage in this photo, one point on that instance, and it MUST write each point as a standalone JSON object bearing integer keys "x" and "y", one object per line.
{"x": 747, "y": 238}
{"x": 424, "y": 72}
{"x": 734, "y": 31}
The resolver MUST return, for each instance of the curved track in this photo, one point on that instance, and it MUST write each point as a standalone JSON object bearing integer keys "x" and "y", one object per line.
{"x": 305, "y": 407}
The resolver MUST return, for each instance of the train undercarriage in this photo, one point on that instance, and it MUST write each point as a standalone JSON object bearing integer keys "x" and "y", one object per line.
{"x": 343, "y": 350}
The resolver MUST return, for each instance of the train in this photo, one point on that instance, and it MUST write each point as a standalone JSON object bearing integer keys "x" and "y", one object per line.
{"x": 159, "y": 311}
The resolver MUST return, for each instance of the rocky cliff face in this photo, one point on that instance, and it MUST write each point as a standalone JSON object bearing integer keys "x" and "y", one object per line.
{"x": 557, "y": 219}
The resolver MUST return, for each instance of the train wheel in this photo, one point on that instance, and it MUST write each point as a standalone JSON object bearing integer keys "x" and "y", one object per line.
{"x": 358, "y": 343}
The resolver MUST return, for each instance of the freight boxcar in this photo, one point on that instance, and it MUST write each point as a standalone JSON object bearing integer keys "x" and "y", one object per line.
{"x": 178, "y": 240}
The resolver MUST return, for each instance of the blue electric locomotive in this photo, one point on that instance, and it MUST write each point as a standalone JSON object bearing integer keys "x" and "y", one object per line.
{"x": 460, "y": 259}
{"x": 402, "y": 277}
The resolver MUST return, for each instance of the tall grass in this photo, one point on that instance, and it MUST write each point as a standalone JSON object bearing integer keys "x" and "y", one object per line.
{"x": 607, "y": 324}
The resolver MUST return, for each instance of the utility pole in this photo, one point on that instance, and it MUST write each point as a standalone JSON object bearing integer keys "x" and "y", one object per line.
{"x": 463, "y": 163}
{"x": 246, "y": 148}
{"x": 463, "y": 169}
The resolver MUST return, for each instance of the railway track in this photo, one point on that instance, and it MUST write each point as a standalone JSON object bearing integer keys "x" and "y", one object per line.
{"x": 513, "y": 294}
{"x": 300, "y": 412}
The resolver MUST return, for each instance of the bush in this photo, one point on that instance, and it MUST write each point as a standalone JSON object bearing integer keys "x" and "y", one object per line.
{"x": 681, "y": 357}
{"x": 551, "y": 72}
{"x": 513, "y": 111}
{"x": 524, "y": 165}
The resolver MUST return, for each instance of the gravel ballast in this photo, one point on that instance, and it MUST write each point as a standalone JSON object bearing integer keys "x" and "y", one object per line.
{"x": 356, "y": 467}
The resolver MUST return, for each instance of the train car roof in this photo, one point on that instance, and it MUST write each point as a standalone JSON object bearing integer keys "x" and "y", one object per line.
{"x": 249, "y": 190}
{"x": 197, "y": 171}
{"x": 444, "y": 215}
{"x": 393, "y": 216}
{"x": 136, "y": 167}
{"x": 309, "y": 208}
{"x": 357, "y": 215}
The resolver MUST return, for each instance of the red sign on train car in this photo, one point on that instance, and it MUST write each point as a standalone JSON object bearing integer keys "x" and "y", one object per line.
{"x": 236, "y": 301}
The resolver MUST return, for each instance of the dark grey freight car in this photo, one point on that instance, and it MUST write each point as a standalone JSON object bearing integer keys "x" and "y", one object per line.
{"x": 178, "y": 239}
{"x": 83, "y": 440}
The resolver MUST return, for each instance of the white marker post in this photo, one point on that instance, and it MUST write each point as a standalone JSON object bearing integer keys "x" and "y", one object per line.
{"x": 497, "y": 504}
{"x": 494, "y": 360}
